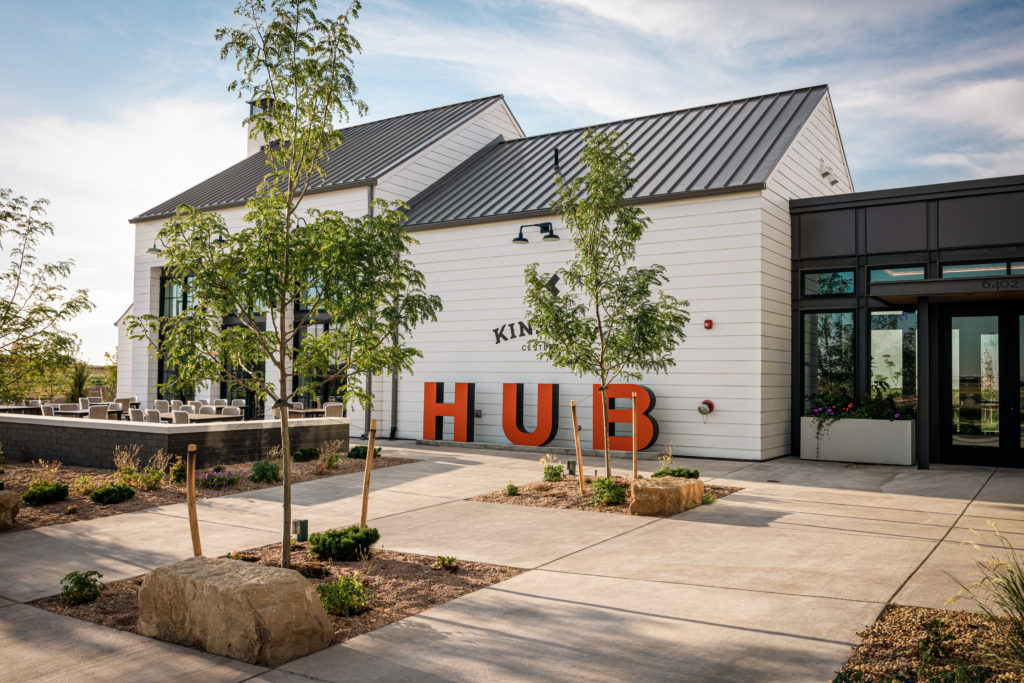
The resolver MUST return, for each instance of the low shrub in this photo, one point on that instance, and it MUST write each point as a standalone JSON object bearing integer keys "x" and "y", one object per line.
{"x": 707, "y": 498}
{"x": 306, "y": 454}
{"x": 83, "y": 485}
{"x": 329, "y": 462}
{"x": 681, "y": 472}
{"x": 71, "y": 510}
{"x": 112, "y": 494}
{"x": 359, "y": 452}
{"x": 345, "y": 545}
{"x": 219, "y": 480}
{"x": 607, "y": 491}
{"x": 447, "y": 563}
{"x": 152, "y": 478}
{"x": 553, "y": 470}
{"x": 345, "y": 597}
{"x": 78, "y": 588}
{"x": 218, "y": 468}
{"x": 178, "y": 471}
{"x": 511, "y": 490}
{"x": 265, "y": 471}
{"x": 43, "y": 492}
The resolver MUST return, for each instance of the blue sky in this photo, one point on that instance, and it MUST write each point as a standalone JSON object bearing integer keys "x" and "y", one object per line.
{"x": 109, "y": 107}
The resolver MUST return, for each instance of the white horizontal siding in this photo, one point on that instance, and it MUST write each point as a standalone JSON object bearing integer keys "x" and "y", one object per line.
{"x": 797, "y": 175}
{"x": 425, "y": 168}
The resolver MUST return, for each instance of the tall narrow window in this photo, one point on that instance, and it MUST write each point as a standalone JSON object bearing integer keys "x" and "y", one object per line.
{"x": 828, "y": 357}
{"x": 894, "y": 358}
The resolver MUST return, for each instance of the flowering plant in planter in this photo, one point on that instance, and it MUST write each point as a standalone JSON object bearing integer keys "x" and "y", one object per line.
{"x": 880, "y": 405}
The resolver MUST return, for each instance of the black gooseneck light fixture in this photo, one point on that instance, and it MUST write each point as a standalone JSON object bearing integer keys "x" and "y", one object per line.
{"x": 546, "y": 229}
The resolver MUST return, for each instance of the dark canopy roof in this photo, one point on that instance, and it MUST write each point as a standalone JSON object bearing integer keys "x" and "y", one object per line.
{"x": 723, "y": 147}
{"x": 369, "y": 150}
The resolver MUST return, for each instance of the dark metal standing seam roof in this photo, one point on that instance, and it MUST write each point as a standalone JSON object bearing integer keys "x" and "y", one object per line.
{"x": 716, "y": 148}
{"x": 368, "y": 151}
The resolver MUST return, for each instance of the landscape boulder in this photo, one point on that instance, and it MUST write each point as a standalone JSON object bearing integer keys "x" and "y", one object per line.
{"x": 10, "y": 504}
{"x": 257, "y": 614}
{"x": 665, "y": 495}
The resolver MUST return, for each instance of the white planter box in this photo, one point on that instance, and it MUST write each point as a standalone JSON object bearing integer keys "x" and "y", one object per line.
{"x": 878, "y": 442}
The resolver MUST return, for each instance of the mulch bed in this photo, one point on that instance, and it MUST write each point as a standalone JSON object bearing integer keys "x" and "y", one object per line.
{"x": 566, "y": 495}
{"x": 18, "y": 474}
{"x": 892, "y": 648}
{"x": 403, "y": 584}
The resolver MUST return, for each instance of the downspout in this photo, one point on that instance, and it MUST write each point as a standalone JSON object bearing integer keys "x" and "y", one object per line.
{"x": 369, "y": 377}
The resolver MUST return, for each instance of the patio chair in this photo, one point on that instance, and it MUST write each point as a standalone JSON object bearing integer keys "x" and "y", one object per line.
{"x": 292, "y": 414}
{"x": 83, "y": 403}
{"x": 153, "y": 416}
{"x": 297, "y": 405}
{"x": 204, "y": 401}
{"x": 47, "y": 410}
{"x": 334, "y": 410}
{"x": 70, "y": 406}
{"x": 176, "y": 404}
{"x": 190, "y": 409}
{"x": 207, "y": 410}
{"x": 98, "y": 412}
{"x": 220, "y": 401}
{"x": 135, "y": 399}
{"x": 180, "y": 417}
{"x": 136, "y": 415}
{"x": 95, "y": 399}
{"x": 195, "y": 405}
{"x": 231, "y": 411}
{"x": 35, "y": 402}
{"x": 238, "y": 402}
{"x": 125, "y": 403}
{"x": 162, "y": 406}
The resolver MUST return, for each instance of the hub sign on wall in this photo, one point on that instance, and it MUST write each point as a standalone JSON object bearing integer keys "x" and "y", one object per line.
{"x": 461, "y": 410}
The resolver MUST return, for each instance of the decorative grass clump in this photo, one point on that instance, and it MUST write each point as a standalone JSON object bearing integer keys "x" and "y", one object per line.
{"x": 306, "y": 454}
{"x": 681, "y": 472}
{"x": 111, "y": 494}
{"x": 344, "y": 545}
{"x": 346, "y": 597}
{"x": 43, "y": 492}
{"x": 607, "y": 491}
{"x": 359, "y": 452}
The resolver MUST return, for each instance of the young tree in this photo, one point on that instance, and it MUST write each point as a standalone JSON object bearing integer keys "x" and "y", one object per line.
{"x": 610, "y": 321}
{"x": 284, "y": 275}
{"x": 34, "y": 303}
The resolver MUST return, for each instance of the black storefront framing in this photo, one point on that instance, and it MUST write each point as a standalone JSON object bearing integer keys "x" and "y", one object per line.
{"x": 971, "y": 225}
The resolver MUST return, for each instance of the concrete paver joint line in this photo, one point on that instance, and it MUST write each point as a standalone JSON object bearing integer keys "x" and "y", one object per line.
{"x": 603, "y": 540}
{"x": 944, "y": 536}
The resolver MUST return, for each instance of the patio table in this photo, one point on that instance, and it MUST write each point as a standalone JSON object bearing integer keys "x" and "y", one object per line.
{"x": 114, "y": 410}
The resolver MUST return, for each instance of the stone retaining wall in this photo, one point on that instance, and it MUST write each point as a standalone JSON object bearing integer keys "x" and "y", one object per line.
{"x": 91, "y": 443}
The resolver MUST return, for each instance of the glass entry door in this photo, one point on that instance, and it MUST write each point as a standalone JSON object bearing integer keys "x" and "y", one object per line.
{"x": 983, "y": 387}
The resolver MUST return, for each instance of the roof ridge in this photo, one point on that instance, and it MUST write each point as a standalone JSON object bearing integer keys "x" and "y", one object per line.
{"x": 666, "y": 113}
{"x": 498, "y": 96}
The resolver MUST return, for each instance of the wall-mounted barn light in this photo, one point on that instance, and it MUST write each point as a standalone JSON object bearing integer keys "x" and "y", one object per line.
{"x": 546, "y": 229}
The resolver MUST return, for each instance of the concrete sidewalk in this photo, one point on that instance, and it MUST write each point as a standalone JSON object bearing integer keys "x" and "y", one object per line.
{"x": 771, "y": 583}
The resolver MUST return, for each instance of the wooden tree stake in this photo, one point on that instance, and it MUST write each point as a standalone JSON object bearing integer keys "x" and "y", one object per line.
{"x": 635, "y": 421}
{"x": 366, "y": 473}
{"x": 579, "y": 454}
{"x": 193, "y": 519}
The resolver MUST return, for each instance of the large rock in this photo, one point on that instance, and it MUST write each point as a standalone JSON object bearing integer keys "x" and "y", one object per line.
{"x": 664, "y": 495}
{"x": 262, "y": 615}
{"x": 10, "y": 503}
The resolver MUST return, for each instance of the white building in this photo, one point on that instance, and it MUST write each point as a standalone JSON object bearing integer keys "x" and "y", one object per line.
{"x": 716, "y": 182}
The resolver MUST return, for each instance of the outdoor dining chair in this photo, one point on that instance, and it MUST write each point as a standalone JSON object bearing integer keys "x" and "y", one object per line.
{"x": 137, "y": 415}
{"x": 176, "y": 404}
{"x": 98, "y": 412}
{"x": 70, "y": 406}
{"x": 238, "y": 402}
{"x": 220, "y": 401}
{"x": 334, "y": 410}
{"x": 297, "y": 405}
{"x": 153, "y": 416}
{"x": 162, "y": 406}
{"x": 125, "y": 403}
{"x": 186, "y": 409}
{"x": 231, "y": 411}
{"x": 180, "y": 417}
{"x": 47, "y": 410}
{"x": 207, "y": 410}
{"x": 35, "y": 402}
{"x": 195, "y": 405}
{"x": 83, "y": 403}
{"x": 95, "y": 399}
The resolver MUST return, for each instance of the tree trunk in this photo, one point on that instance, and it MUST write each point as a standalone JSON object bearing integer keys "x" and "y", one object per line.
{"x": 286, "y": 464}
{"x": 604, "y": 427}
